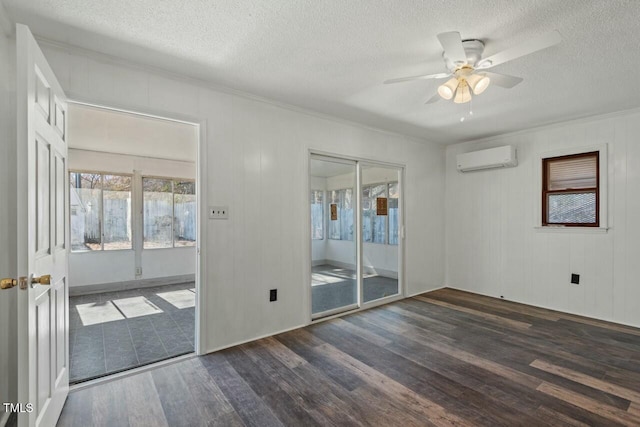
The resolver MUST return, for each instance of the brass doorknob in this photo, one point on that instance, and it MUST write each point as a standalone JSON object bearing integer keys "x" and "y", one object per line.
{"x": 42, "y": 280}
{"x": 8, "y": 283}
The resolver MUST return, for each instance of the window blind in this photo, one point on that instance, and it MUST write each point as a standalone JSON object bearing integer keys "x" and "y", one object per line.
{"x": 573, "y": 173}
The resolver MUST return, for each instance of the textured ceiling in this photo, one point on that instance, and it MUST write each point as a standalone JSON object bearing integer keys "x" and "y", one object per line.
{"x": 332, "y": 56}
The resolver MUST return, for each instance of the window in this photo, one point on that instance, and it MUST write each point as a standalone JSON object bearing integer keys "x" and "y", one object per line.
{"x": 317, "y": 214}
{"x": 100, "y": 211}
{"x": 169, "y": 214}
{"x": 570, "y": 190}
{"x": 375, "y": 227}
{"x": 341, "y": 228}
{"x": 394, "y": 194}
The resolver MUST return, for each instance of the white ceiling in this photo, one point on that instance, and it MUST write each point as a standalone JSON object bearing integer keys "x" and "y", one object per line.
{"x": 108, "y": 131}
{"x": 332, "y": 56}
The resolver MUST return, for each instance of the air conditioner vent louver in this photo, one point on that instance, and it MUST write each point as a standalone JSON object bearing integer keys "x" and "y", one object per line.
{"x": 499, "y": 157}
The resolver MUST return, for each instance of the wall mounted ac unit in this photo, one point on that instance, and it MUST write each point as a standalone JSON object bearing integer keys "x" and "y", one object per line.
{"x": 499, "y": 157}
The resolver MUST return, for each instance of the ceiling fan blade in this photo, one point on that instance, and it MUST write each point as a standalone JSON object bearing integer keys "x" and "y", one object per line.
{"x": 433, "y": 99}
{"x": 423, "y": 77}
{"x": 503, "y": 80}
{"x": 452, "y": 44}
{"x": 530, "y": 46}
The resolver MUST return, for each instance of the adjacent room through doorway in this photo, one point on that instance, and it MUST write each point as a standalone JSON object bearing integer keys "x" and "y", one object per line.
{"x": 132, "y": 223}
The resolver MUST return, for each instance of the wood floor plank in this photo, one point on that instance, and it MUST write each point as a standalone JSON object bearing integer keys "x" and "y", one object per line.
{"x": 207, "y": 396}
{"x": 284, "y": 354}
{"x": 414, "y": 402}
{"x": 327, "y": 401}
{"x": 177, "y": 402}
{"x": 489, "y": 302}
{"x": 581, "y": 378}
{"x": 609, "y": 412}
{"x": 280, "y": 396}
{"x": 249, "y": 406}
{"x": 145, "y": 408}
{"x": 78, "y": 409}
{"x": 552, "y": 417}
{"x": 362, "y": 332}
{"x": 492, "y": 317}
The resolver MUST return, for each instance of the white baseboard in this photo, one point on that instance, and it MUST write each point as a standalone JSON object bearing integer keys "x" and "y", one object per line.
{"x": 131, "y": 284}
{"x": 270, "y": 334}
{"x": 424, "y": 292}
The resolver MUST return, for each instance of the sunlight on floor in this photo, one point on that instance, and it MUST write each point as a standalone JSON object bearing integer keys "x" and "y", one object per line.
{"x": 180, "y": 299}
{"x": 136, "y": 306}
{"x": 98, "y": 312}
{"x": 318, "y": 279}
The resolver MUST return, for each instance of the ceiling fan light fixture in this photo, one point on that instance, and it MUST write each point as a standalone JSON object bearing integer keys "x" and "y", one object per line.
{"x": 478, "y": 83}
{"x": 448, "y": 89}
{"x": 463, "y": 94}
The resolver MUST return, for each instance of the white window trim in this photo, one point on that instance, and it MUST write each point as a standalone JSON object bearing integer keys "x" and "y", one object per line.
{"x": 324, "y": 195}
{"x": 603, "y": 186}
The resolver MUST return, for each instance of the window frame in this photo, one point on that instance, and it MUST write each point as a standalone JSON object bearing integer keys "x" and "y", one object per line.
{"x": 537, "y": 214}
{"x": 173, "y": 180}
{"x": 387, "y": 192}
{"x": 324, "y": 209}
{"x": 132, "y": 222}
{"x": 546, "y": 192}
{"x": 340, "y": 202}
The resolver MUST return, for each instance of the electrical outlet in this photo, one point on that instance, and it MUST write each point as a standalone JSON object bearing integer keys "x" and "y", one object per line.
{"x": 218, "y": 212}
{"x": 273, "y": 295}
{"x": 575, "y": 279}
{"x": 138, "y": 271}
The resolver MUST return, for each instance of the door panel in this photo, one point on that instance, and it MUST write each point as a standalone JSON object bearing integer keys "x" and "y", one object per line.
{"x": 59, "y": 193}
{"x": 381, "y": 222}
{"x": 61, "y": 297}
{"x": 334, "y": 279}
{"x": 43, "y": 321}
{"x": 43, "y": 207}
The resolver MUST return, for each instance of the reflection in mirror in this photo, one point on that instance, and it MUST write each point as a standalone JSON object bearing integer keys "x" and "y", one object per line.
{"x": 333, "y": 246}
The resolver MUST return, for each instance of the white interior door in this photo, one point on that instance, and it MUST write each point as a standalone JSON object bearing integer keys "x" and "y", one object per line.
{"x": 43, "y": 321}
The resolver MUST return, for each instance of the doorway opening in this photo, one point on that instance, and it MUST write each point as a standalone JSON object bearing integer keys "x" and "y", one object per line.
{"x": 133, "y": 235}
{"x": 356, "y": 239}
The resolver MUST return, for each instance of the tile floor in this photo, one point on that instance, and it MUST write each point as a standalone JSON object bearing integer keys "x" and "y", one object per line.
{"x": 334, "y": 287}
{"x": 115, "y": 331}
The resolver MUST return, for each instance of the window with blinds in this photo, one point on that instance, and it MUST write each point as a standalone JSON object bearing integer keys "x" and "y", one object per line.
{"x": 570, "y": 190}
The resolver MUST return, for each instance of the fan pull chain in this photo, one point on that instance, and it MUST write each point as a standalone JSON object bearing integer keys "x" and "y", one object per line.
{"x": 470, "y": 110}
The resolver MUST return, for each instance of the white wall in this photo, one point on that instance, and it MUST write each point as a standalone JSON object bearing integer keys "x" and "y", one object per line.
{"x": 8, "y": 261}
{"x": 257, "y": 164}
{"x": 97, "y": 267}
{"x": 494, "y": 249}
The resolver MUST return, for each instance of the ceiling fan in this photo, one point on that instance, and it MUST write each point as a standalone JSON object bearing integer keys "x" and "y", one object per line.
{"x": 466, "y": 66}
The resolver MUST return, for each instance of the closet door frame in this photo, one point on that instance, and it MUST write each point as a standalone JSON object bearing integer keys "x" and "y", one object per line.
{"x": 357, "y": 161}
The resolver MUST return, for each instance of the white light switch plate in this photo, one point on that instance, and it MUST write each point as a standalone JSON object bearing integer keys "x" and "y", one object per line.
{"x": 218, "y": 212}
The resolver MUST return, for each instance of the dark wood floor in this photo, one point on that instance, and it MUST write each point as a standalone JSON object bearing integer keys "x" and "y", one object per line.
{"x": 442, "y": 358}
